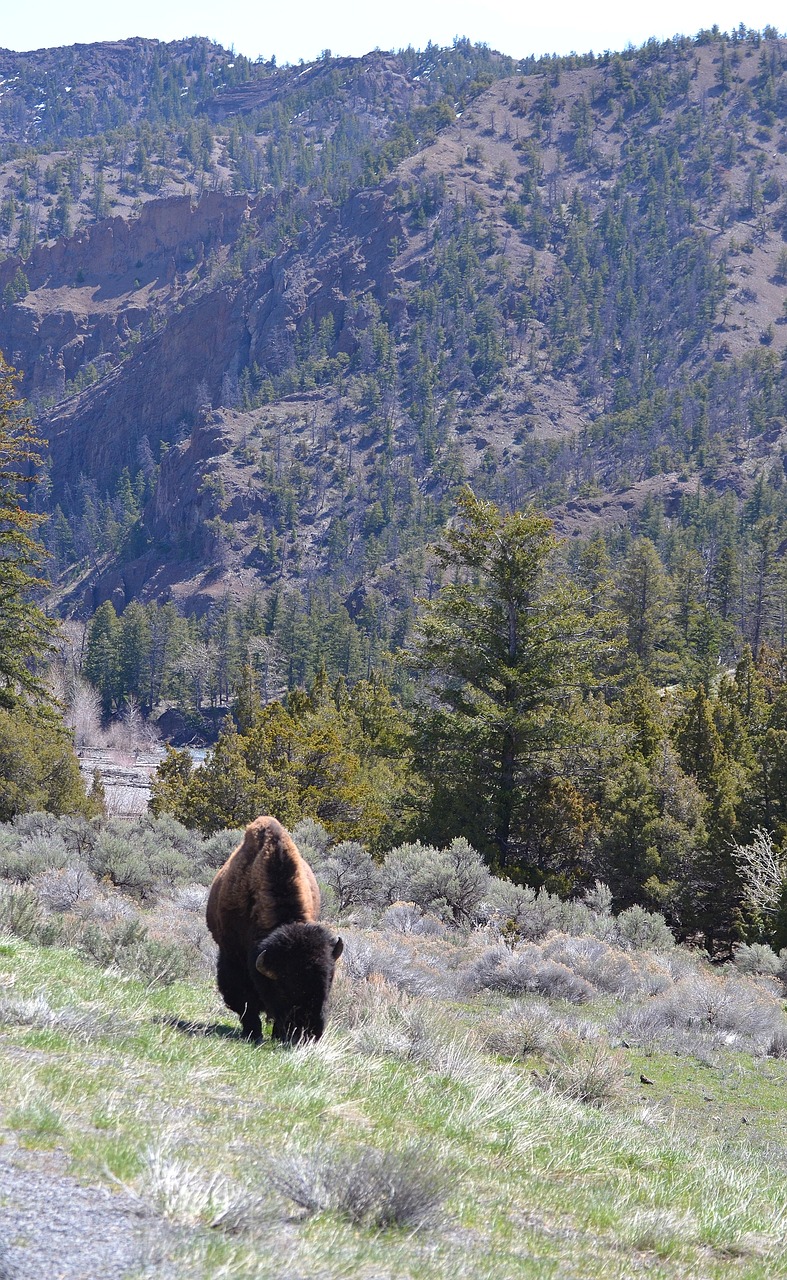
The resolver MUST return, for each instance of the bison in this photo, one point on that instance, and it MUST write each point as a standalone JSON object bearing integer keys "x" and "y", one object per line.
{"x": 274, "y": 958}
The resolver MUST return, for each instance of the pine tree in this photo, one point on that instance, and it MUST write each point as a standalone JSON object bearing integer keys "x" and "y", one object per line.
{"x": 704, "y": 758}
{"x": 134, "y": 651}
{"x": 701, "y": 749}
{"x": 650, "y": 824}
{"x": 222, "y": 792}
{"x": 97, "y": 796}
{"x": 38, "y": 766}
{"x": 762, "y": 579}
{"x": 507, "y": 648}
{"x": 594, "y": 572}
{"x": 629, "y": 855}
{"x": 644, "y": 601}
{"x": 102, "y": 657}
{"x": 769, "y": 784}
{"x": 169, "y": 785}
{"x": 25, "y": 631}
{"x": 39, "y": 769}
{"x": 292, "y": 762}
{"x": 247, "y": 707}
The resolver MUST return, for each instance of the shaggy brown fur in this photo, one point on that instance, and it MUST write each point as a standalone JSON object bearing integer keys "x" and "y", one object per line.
{"x": 263, "y": 884}
{"x": 273, "y": 956}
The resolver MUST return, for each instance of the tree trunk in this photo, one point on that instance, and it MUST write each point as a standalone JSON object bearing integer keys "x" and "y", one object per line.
{"x": 505, "y": 804}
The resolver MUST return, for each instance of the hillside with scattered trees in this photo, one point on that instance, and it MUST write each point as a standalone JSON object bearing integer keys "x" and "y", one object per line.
{"x": 415, "y": 434}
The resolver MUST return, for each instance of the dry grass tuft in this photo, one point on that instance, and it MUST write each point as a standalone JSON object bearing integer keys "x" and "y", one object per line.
{"x": 83, "y": 1024}
{"x": 777, "y": 1045}
{"x": 528, "y": 1027}
{"x": 5, "y": 1264}
{"x": 590, "y": 1074}
{"x": 190, "y": 1196}
{"x": 364, "y": 1185}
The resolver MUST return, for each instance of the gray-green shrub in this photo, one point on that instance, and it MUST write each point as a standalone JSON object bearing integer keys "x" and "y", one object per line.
{"x": 22, "y": 857}
{"x": 451, "y": 883}
{"x": 526, "y": 1027}
{"x": 758, "y": 958}
{"x": 643, "y": 930}
{"x": 349, "y": 874}
{"x": 126, "y": 946}
{"x": 215, "y": 850}
{"x": 705, "y": 1007}
{"x": 20, "y": 910}
{"x": 366, "y": 1186}
{"x": 63, "y": 888}
{"x": 526, "y": 970}
{"x": 365, "y": 959}
{"x": 312, "y": 839}
{"x": 406, "y": 917}
{"x": 154, "y": 855}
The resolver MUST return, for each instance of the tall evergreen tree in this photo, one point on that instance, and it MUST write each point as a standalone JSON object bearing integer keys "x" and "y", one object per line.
{"x": 25, "y": 630}
{"x": 651, "y": 813}
{"x": 644, "y": 601}
{"x": 102, "y": 657}
{"x": 134, "y": 652}
{"x": 38, "y": 767}
{"x": 507, "y": 649}
{"x": 701, "y": 749}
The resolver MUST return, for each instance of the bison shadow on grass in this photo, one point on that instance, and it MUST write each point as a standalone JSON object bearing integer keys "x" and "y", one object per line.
{"x": 200, "y": 1030}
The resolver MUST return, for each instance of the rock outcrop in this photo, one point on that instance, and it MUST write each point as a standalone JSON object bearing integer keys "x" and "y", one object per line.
{"x": 161, "y": 347}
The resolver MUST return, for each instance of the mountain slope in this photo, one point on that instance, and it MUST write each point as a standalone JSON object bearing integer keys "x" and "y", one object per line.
{"x": 569, "y": 283}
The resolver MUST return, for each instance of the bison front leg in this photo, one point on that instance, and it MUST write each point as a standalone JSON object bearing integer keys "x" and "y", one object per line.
{"x": 252, "y": 1026}
{"x": 239, "y": 995}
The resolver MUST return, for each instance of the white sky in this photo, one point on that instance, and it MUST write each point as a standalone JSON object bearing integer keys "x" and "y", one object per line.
{"x": 301, "y": 29}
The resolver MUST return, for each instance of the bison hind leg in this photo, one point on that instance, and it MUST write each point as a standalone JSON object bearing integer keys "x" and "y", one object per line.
{"x": 239, "y": 995}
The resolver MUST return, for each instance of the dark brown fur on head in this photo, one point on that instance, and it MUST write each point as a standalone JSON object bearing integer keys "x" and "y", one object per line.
{"x": 294, "y": 971}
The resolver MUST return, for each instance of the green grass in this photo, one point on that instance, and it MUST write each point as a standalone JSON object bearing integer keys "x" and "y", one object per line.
{"x": 538, "y": 1185}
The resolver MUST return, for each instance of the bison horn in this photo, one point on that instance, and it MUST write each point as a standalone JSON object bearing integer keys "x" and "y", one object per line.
{"x": 338, "y": 948}
{"x": 261, "y": 967}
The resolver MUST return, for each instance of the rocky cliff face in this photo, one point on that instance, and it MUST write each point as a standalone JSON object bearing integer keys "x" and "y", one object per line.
{"x": 167, "y": 236}
{"x": 85, "y": 297}
{"x": 153, "y": 393}
{"x": 190, "y": 338}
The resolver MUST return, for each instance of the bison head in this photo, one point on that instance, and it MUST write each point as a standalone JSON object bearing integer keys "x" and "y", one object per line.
{"x": 293, "y": 973}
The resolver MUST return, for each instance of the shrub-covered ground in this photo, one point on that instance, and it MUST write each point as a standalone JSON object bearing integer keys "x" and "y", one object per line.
{"x": 509, "y": 1085}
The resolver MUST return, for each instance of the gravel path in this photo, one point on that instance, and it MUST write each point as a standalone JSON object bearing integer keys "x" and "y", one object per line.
{"x": 53, "y": 1228}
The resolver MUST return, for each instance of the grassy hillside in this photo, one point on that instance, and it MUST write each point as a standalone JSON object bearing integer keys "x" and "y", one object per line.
{"x": 561, "y": 1103}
